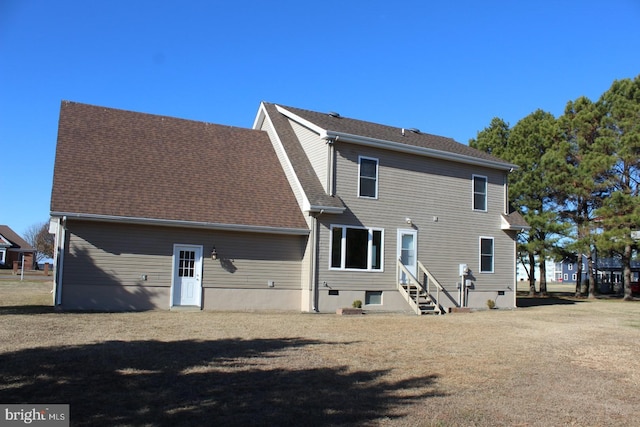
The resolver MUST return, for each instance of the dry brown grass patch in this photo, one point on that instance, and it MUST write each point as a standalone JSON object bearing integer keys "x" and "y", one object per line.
{"x": 569, "y": 364}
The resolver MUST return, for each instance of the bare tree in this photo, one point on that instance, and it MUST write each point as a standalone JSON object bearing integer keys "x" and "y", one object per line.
{"x": 37, "y": 235}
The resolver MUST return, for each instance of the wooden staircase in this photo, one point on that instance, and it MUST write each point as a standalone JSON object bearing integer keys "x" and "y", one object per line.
{"x": 418, "y": 294}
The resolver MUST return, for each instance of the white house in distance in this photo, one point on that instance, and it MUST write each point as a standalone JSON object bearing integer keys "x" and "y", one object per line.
{"x": 306, "y": 211}
{"x": 553, "y": 272}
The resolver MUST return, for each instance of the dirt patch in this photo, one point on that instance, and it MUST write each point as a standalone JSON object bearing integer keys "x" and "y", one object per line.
{"x": 559, "y": 364}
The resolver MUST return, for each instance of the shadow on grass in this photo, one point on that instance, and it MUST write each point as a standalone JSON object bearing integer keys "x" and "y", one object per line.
{"x": 26, "y": 309}
{"x": 222, "y": 382}
{"x": 550, "y": 299}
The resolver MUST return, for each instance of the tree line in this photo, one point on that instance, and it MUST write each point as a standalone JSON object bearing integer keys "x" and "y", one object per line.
{"x": 578, "y": 180}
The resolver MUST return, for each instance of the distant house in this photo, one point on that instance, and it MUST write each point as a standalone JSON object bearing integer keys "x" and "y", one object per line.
{"x": 608, "y": 272}
{"x": 306, "y": 211}
{"x": 13, "y": 249}
{"x": 552, "y": 272}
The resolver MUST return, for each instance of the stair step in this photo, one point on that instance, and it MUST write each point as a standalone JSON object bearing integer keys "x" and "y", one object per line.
{"x": 423, "y": 301}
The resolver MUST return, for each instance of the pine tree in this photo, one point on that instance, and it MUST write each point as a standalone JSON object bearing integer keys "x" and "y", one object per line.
{"x": 620, "y": 212}
{"x": 529, "y": 140}
{"x": 577, "y": 167}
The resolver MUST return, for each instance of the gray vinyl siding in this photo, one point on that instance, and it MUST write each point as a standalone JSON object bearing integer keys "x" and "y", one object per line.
{"x": 315, "y": 149}
{"x": 437, "y": 196}
{"x": 118, "y": 255}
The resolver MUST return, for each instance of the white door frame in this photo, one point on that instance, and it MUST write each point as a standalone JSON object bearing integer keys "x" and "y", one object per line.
{"x": 405, "y": 231}
{"x": 177, "y": 247}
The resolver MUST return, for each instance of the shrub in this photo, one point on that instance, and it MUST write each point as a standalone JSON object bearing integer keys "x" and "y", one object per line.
{"x": 357, "y": 304}
{"x": 491, "y": 304}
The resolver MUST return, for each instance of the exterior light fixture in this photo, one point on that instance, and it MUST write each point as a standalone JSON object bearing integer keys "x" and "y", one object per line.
{"x": 214, "y": 254}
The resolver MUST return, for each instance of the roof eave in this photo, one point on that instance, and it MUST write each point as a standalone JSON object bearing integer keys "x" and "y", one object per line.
{"x": 326, "y": 209}
{"x": 507, "y": 226}
{"x": 510, "y": 227}
{"x": 412, "y": 149}
{"x": 183, "y": 224}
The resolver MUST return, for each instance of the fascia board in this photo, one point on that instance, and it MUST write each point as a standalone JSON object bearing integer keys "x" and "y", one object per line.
{"x": 182, "y": 224}
{"x": 412, "y": 149}
{"x": 326, "y": 209}
{"x": 317, "y": 129}
{"x": 257, "y": 122}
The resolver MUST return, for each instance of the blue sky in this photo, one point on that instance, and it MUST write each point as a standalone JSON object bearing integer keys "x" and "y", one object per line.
{"x": 445, "y": 67}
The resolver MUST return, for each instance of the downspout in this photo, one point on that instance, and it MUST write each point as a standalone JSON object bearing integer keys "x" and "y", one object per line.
{"x": 61, "y": 238}
{"x": 515, "y": 240}
{"x": 331, "y": 153}
{"x": 515, "y": 270}
{"x": 315, "y": 291}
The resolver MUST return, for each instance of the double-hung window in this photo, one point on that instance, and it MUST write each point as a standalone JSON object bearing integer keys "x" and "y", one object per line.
{"x": 356, "y": 248}
{"x": 479, "y": 193}
{"x": 368, "y": 177}
{"x": 486, "y": 254}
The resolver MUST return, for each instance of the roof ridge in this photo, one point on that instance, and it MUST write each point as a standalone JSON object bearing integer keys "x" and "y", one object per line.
{"x": 146, "y": 114}
{"x": 368, "y": 122}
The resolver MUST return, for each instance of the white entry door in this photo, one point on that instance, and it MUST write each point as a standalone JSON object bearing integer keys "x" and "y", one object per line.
{"x": 407, "y": 251}
{"x": 187, "y": 269}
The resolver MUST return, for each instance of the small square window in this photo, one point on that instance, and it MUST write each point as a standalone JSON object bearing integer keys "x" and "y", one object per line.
{"x": 373, "y": 297}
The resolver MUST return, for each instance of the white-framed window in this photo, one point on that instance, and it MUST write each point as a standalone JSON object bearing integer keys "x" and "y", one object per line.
{"x": 486, "y": 254}
{"x": 574, "y": 277}
{"x": 3, "y": 256}
{"x": 373, "y": 297}
{"x": 368, "y": 177}
{"x": 570, "y": 267}
{"x": 479, "y": 193}
{"x": 356, "y": 248}
{"x": 566, "y": 276}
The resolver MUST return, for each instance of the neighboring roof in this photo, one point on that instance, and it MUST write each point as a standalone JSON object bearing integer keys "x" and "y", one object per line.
{"x": 437, "y": 146}
{"x": 17, "y": 242}
{"x": 134, "y": 166}
{"x": 302, "y": 167}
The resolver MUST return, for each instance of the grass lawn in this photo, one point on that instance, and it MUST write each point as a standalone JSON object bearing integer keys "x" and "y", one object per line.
{"x": 554, "y": 363}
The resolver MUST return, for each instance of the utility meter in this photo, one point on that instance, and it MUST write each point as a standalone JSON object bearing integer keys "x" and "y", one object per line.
{"x": 464, "y": 270}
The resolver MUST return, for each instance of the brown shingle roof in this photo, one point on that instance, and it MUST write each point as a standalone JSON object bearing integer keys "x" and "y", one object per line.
{"x": 119, "y": 163}
{"x": 13, "y": 237}
{"x": 393, "y": 134}
{"x": 307, "y": 177}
